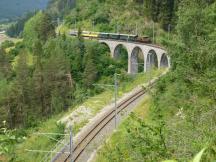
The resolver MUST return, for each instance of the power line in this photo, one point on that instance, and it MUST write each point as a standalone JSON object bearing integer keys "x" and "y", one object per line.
{"x": 70, "y": 152}
{"x": 115, "y": 85}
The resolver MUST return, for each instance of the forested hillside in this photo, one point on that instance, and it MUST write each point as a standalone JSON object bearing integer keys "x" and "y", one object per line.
{"x": 56, "y": 9}
{"x": 122, "y": 16}
{"x": 11, "y": 9}
{"x": 47, "y": 73}
{"x": 181, "y": 119}
{"x": 44, "y": 75}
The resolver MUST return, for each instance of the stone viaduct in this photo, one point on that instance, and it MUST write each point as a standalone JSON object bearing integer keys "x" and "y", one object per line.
{"x": 152, "y": 55}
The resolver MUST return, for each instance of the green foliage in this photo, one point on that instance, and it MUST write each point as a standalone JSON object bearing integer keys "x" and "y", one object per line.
{"x": 45, "y": 27}
{"x": 183, "y": 108}
{"x": 7, "y": 44}
{"x": 30, "y": 34}
{"x": 14, "y": 51}
{"x": 61, "y": 68}
{"x": 5, "y": 67}
{"x": 50, "y": 78}
{"x": 110, "y": 16}
{"x": 8, "y": 139}
{"x": 4, "y": 86}
{"x": 36, "y": 90}
{"x": 59, "y": 8}
{"x": 182, "y": 115}
{"x": 198, "y": 157}
{"x": 90, "y": 72}
{"x": 60, "y": 129}
{"x": 16, "y": 29}
{"x": 38, "y": 28}
{"x": 136, "y": 140}
{"x": 34, "y": 141}
{"x": 184, "y": 96}
{"x": 122, "y": 57}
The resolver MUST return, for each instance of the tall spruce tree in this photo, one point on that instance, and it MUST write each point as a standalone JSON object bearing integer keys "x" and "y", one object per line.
{"x": 77, "y": 65}
{"x": 90, "y": 70}
{"x": 167, "y": 13}
{"x": 5, "y": 68}
{"x": 18, "y": 101}
{"x": 45, "y": 27}
{"x": 5, "y": 71}
{"x": 57, "y": 81}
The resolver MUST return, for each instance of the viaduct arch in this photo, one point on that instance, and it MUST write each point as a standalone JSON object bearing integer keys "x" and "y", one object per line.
{"x": 152, "y": 55}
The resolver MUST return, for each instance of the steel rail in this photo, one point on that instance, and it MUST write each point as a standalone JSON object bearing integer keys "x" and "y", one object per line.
{"x": 77, "y": 151}
{"x": 101, "y": 123}
{"x": 123, "y": 105}
{"x": 122, "y": 41}
{"x": 112, "y": 117}
{"x": 134, "y": 42}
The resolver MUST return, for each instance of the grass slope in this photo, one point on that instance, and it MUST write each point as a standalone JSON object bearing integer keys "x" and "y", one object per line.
{"x": 172, "y": 124}
{"x": 37, "y": 142}
{"x": 116, "y": 147}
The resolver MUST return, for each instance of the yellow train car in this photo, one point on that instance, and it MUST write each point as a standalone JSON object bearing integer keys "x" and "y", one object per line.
{"x": 115, "y": 36}
{"x": 90, "y": 34}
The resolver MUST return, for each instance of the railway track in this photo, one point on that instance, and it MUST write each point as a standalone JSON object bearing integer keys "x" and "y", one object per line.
{"x": 148, "y": 44}
{"x": 87, "y": 136}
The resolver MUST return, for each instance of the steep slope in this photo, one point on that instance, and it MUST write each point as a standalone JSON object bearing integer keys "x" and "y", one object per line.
{"x": 58, "y": 8}
{"x": 10, "y": 9}
{"x": 182, "y": 116}
{"x": 129, "y": 16}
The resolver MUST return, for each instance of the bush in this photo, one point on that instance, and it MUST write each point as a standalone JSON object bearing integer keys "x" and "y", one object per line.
{"x": 7, "y": 44}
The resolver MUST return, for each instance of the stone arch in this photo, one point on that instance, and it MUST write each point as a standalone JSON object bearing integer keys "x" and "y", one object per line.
{"x": 108, "y": 47}
{"x": 121, "y": 55}
{"x": 164, "y": 62}
{"x": 117, "y": 51}
{"x": 137, "y": 60}
{"x": 152, "y": 60}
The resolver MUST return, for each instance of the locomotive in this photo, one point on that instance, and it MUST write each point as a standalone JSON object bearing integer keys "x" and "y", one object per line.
{"x": 114, "y": 36}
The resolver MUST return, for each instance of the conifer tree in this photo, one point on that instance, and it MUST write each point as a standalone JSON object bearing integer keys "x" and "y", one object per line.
{"x": 5, "y": 67}
{"x": 45, "y": 27}
{"x": 90, "y": 71}
{"x": 167, "y": 13}
{"x": 56, "y": 80}
{"x": 38, "y": 78}
{"x": 79, "y": 54}
{"x": 18, "y": 101}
